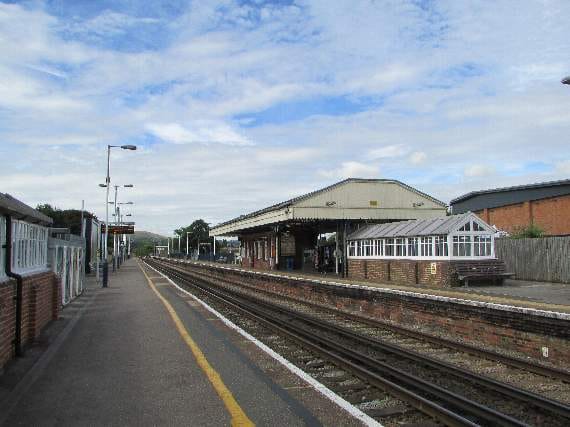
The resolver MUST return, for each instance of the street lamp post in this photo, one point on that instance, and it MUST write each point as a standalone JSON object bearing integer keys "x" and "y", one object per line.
{"x": 187, "y": 247}
{"x": 107, "y": 185}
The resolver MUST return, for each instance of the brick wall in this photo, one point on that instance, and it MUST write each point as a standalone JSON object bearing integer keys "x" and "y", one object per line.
{"x": 552, "y": 215}
{"x": 41, "y": 303}
{"x": 7, "y": 320}
{"x": 404, "y": 271}
{"x": 443, "y": 276}
{"x": 258, "y": 264}
{"x": 357, "y": 269}
{"x": 523, "y": 334}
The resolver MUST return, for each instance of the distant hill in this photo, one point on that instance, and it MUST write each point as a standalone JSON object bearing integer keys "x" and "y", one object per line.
{"x": 148, "y": 237}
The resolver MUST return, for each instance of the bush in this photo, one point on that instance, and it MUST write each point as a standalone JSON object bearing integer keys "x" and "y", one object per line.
{"x": 531, "y": 231}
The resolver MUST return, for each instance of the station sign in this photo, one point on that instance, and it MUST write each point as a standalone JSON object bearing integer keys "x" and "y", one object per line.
{"x": 119, "y": 229}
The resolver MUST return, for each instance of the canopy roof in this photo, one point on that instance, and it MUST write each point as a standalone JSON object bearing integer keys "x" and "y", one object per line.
{"x": 352, "y": 198}
{"x": 419, "y": 227}
{"x": 19, "y": 210}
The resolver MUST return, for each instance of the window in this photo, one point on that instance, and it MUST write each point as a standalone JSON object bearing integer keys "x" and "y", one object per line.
{"x": 390, "y": 244}
{"x": 367, "y": 248}
{"x": 440, "y": 244}
{"x": 401, "y": 247}
{"x": 413, "y": 246}
{"x": 352, "y": 248}
{"x": 481, "y": 245}
{"x": 29, "y": 242}
{"x": 426, "y": 246}
{"x": 477, "y": 227}
{"x": 379, "y": 247}
{"x": 2, "y": 250}
{"x": 466, "y": 227}
{"x": 265, "y": 251}
{"x": 461, "y": 245}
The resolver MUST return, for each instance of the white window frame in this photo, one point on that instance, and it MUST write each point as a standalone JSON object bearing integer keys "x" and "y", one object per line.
{"x": 29, "y": 247}
{"x": 2, "y": 249}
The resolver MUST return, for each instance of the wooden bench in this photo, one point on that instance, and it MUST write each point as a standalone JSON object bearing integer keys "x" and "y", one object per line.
{"x": 492, "y": 269}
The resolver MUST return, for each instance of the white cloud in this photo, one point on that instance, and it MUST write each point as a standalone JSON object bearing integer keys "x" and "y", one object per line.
{"x": 351, "y": 170}
{"x": 479, "y": 170}
{"x": 418, "y": 157}
{"x": 563, "y": 167}
{"x": 202, "y": 132}
{"x": 453, "y": 80}
{"x": 388, "y": 151}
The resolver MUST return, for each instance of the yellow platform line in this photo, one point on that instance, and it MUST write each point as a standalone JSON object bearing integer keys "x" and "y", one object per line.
{"x": 239, "y": 418}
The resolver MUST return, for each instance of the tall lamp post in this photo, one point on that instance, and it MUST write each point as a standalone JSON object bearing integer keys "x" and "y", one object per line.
{"x": 107, "y": 185}
{"x": 121, "y": 238}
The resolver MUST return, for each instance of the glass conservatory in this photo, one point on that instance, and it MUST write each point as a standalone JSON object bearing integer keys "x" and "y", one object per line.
{"x": 464, "y": 236}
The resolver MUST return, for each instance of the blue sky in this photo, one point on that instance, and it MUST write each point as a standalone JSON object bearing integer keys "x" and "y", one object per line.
{"x": 239, "y": 104}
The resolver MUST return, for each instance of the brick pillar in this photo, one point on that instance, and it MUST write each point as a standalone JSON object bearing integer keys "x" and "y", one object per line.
{"x": 527, "y": 206}
{"x": 486, "y": 216}
{"x": 56, "y": 298}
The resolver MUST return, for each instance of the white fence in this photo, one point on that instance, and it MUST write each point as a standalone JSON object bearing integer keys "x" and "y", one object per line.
{"x": 67, "y": 258}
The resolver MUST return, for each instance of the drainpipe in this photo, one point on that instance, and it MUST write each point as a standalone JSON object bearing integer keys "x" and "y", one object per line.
{"x": 10, "y": 273}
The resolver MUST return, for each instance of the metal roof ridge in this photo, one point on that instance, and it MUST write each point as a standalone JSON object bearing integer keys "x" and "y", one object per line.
{"x": 511, "y": 188}
{"x": 315, "y": 192}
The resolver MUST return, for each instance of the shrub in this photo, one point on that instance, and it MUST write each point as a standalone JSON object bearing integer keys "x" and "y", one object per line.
{"x": 531, "y": 231}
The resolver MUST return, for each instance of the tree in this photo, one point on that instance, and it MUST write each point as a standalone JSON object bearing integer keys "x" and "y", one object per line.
{"x": 68, "y": 218}
{"x": 198, "y": 232}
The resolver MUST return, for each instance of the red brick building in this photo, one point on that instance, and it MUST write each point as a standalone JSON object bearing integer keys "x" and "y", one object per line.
{"x": 29, "y": 291}
{"x": 546, "y": 205}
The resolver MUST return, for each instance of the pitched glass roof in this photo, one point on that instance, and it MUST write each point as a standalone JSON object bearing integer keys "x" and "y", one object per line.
{"x": 416, "y": 227}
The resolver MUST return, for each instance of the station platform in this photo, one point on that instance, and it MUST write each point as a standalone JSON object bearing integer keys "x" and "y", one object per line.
{"x": 533, "y": 295}
{"x": 142, "y": 352}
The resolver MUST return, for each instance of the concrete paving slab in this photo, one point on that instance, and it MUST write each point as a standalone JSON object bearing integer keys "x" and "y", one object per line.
{"x": 123, "y": 363}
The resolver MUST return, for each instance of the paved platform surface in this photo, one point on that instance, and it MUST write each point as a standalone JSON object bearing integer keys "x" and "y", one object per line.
{"x": 121, "y": 361}
{"x": 538, "y": 295}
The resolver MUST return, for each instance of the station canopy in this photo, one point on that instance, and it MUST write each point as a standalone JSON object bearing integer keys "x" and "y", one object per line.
{"x": 353, "y": 199}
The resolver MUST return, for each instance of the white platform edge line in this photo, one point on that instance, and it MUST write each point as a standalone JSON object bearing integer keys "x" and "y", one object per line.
{"x": 348, "y": 407}
{"x": 502, "y": 307}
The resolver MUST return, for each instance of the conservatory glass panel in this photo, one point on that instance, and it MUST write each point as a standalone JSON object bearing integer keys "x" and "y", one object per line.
{"x": 367, "y": 247}
{"x": 390, "y": 247}
{"x": 413, "y": 246}
{"x": 477, "y": 227}
{"x": 400, "y": 247}
{"x": 352, "y": 248}
{"x": 426, "y": 246}
{"x": 482, "y": 246}
{"x": 461, "y": 245}
{"x": 378, "y": 247}
{"x": 441, "y": 248}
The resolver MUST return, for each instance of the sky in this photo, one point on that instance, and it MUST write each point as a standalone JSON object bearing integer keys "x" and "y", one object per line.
{"x": 236, "y": 105}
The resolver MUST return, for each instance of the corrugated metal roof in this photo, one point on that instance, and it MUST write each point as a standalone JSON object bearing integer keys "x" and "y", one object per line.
{"x": 514, "y": 188}
{"x": 19, "y": 210}
{"x": 322, "y": 190}
{"x": 417, "y": 227}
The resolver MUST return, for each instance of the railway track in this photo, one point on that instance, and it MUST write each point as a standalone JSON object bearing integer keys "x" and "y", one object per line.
{"x": 407, "y": 382}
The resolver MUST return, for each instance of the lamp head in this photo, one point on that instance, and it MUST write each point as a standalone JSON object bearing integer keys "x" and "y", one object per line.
{"x": 566, "y": 80}
{"x": 129, "y": 147}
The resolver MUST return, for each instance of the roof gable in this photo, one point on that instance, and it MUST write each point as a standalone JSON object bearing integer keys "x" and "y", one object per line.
{"x": 420, "y": 227}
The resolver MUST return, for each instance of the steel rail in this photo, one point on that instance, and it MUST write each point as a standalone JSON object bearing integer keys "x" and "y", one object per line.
{"x": 412, "y": 381}
{"x": 534, "y": 399}
{"x": 424, "y": 405}
{"x": 488, "y": 354}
